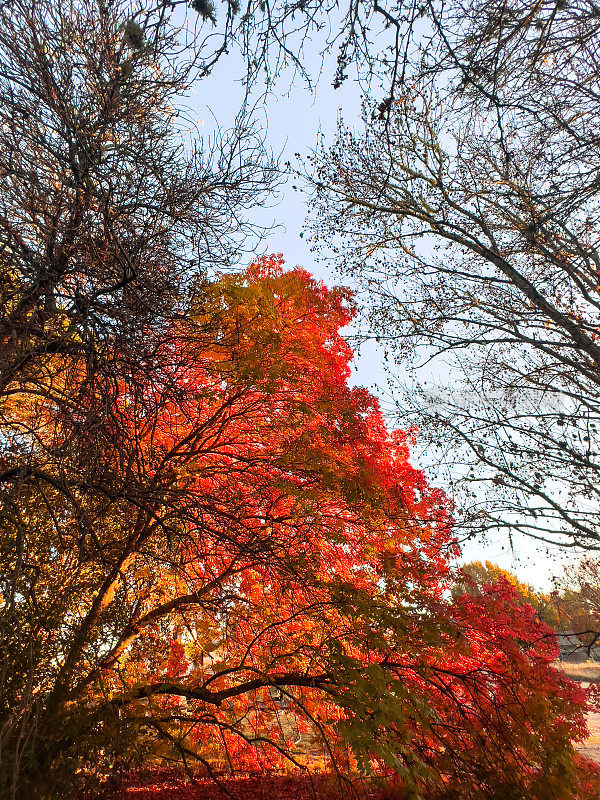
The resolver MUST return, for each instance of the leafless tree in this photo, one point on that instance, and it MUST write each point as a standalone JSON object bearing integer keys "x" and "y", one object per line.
{"x": 468, "y": 214}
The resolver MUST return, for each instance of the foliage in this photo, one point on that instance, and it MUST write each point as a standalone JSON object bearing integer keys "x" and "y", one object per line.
{"x": 283, "y": 541}
{"x": 169, "y": 785}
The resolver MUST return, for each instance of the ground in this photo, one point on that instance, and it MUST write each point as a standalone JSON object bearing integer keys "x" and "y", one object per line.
{"x": 168, "y": 785}
{"x": 584, "y": 673}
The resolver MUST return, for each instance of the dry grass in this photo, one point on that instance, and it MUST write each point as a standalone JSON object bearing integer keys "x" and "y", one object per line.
{"x": 586, "y": 671}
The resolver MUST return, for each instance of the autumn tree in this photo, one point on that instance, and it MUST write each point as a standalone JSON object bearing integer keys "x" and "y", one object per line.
{"x": 495, "y": 169}
{"x": 467, "y": 212}
{"x": 577, "y": 599}
{"x": 475, "y": 576}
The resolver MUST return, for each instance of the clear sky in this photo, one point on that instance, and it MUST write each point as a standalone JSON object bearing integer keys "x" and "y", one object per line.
{"x": 290, "y": 120}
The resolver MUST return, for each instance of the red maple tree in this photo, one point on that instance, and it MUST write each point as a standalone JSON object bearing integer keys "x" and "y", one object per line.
{"x": 301, "y": 615}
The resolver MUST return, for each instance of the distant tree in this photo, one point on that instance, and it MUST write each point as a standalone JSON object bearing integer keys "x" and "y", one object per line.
{"x": 468, "y": 215}
{"x": 577, "y": 598}
{"x": 475, "y": 576}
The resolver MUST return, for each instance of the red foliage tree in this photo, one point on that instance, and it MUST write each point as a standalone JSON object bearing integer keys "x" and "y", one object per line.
{"x": 300, "y": 613}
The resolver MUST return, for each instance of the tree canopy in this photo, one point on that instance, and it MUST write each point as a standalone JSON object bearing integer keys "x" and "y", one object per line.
{"x": 212, "y": 548}
{"x": 269, "y": 532}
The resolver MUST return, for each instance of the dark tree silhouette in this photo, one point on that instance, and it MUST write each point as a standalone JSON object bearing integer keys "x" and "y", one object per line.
{"x": 108, "y": 225}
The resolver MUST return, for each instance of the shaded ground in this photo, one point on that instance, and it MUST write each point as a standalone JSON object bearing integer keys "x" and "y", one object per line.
{"x": 167, "y": 785}
{"x": 591, "y": 747}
